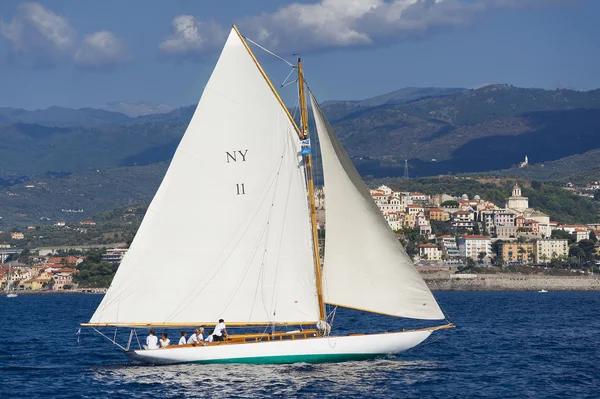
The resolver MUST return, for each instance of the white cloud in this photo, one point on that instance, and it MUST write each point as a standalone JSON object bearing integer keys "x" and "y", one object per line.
{"x": 39, "y": 33}
{"x": 192, "y": 37}
{"x": 100, "y": 50}
{"x": 328, "y": 24}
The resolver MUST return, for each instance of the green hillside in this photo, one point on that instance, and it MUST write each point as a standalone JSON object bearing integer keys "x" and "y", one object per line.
{"x": 491, "y": 128}
{"x": 48, "y": 199}
{"x": 580, "y": 168}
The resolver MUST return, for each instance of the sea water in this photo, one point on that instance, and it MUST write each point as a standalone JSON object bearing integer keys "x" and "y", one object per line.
{"x": 506, "y": 345}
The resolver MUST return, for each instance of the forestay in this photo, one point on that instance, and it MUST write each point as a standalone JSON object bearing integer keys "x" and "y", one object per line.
{"x": 365, "y": 266}
{"x": 228, "y": 234}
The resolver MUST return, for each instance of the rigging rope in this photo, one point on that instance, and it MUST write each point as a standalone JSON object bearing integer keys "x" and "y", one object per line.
{"x": 270, "y": 52}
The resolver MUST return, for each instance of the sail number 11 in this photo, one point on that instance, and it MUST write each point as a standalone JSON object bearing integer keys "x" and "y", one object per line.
{"x": 233, "y": 157}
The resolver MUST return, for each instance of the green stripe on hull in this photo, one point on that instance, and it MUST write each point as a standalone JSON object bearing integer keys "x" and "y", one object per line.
{"x": 332, "y": 358}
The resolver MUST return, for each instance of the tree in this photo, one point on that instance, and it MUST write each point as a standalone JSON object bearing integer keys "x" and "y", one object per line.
{"x": 521, "y": 239}
{"x": 470, "y": 263}
{"x": 441, "y": 228}
{"x": 593, "y": 236}
{"x": 597, "y": 195}
{"x": 587, "y": 246}
{"x": 481, "y": 256}
{"x": 24, "y": 255}
{"x": 536, "y": 185}
{"x": 496, "y": 247}
{"x": 476, "y": 230}
{"x": 576, "y": 251}
{"x": 563, "y": 235}
{"x": 521, "y": 252}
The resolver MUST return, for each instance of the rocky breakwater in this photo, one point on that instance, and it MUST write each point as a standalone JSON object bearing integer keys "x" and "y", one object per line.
{"x": 510, "y": 282}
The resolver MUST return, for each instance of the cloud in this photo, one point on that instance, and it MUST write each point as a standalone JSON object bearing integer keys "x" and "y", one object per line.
{"x": 44, "y": 38}
{"x": 100, "y": 50}
{"x": 330, "y": 24}
{"x": 192, "y": 37}
{"x": 39, "y": 33}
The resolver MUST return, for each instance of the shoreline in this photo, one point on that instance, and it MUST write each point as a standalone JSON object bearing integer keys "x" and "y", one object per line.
{"x": 510, "y": 282}
{"x": 94, "y": 291}
{"x": 447, "y": 282}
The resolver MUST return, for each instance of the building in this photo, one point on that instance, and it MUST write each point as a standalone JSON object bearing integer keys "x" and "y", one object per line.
{"x": 17, "y": 236}
{"x": 473, "y": 245}
{"x": 61, "y": 279}
{"x": 430, "y": 252}
{"x": 581, "y": 234}
{"x": 517, "y": 201}
{"x": 390, "y": 204}
{"x": 449, "y": 247}
{"x": 527, "y": 225}
{"x": 385, "y": 190}
{"x": 547, "y": 249}
{"x": 114, "y": 256}
{"x": 511, "y": 252}
{"x": 437, "y": 214}
{"x": 393, "y": 220}
{"x": 463, "y": 219}
{"x": 419, "y": 198}
{"x": 414, "y": 209}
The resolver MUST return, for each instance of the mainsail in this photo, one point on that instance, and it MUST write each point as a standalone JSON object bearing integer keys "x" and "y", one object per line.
{"x": 365, "y": 266}
{"x": 228, "y": 233}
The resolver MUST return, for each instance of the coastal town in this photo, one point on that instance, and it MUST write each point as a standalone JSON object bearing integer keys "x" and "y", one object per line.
{"x": 439, "y": 232}
{"x": 462, "y": 231}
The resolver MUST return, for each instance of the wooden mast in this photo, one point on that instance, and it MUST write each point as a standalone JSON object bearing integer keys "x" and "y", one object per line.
{"x": 264, "y": 75}
{"x": 311, "y": 190}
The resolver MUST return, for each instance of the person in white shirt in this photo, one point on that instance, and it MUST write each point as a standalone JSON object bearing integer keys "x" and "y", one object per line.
{"x": 164, "y": 340}
{"x": 220, "y": 331}
{"x": 196, "y": 338}
{"x": 182, "y": 340}
{"x": 151, "y": 341}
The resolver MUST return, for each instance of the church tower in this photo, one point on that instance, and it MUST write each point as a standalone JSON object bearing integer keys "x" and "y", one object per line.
{"x": 516, "y": 190}
{"x": 516, "y": 201}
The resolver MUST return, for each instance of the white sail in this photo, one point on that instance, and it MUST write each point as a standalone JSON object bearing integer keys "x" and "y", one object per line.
{"x": 228, "y": 234}
{"x": 365, "y": 266}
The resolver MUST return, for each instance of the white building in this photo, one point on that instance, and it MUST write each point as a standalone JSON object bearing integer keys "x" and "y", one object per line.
{"x": 472, "y": 246}
{"x": 543, "y": 222}
{"x": 581, "y": 234}
{"x": 449, "y": 247}
{"x": 517, "y": 201}
{"x": 385, "y": 190}
{"x": 430, "y": 252}
{"x": 547, "y": 249}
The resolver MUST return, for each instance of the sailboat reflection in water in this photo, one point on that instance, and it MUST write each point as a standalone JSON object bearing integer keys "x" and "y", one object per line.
{"x": 234, "y": 220}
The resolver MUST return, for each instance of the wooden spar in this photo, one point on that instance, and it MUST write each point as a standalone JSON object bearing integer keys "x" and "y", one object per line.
{"x": 264, "y": 74}
{"x": 302, "y": 134}
{"x": 195, "y": 324}
{"x": 311, "y": 191}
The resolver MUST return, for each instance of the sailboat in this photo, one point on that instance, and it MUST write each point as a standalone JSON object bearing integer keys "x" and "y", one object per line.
{"x": 232, "y": 234}
{"x": 9, "y": 293}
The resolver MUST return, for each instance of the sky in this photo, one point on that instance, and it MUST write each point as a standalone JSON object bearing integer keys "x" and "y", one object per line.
{"x": 77, "y": 54}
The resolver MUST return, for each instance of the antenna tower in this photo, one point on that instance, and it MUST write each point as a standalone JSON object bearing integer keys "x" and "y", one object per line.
{"x": 406, "y": 169}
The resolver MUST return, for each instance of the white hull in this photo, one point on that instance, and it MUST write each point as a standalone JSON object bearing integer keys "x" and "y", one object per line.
{"x": 312, "y": 350}
{"x": 11, "y": 295}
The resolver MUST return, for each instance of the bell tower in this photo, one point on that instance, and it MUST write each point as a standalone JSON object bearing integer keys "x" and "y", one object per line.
{"x": 516, "y": 190}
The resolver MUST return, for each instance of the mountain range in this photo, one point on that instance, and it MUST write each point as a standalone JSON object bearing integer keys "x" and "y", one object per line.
{"x": 488, "y": 130}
